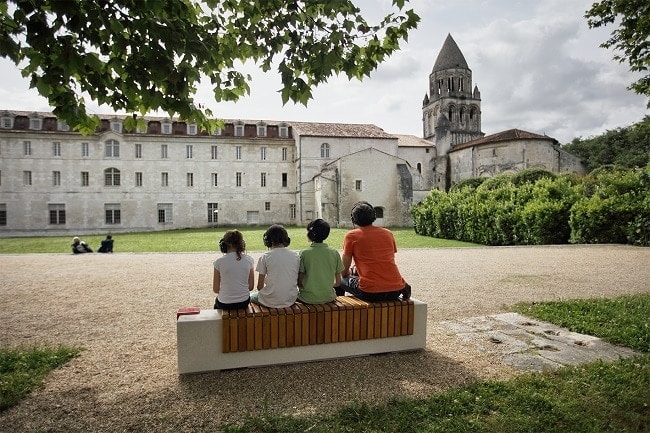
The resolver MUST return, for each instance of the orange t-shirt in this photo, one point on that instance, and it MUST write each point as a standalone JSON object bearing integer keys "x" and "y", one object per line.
{"x": 373, "y": 252}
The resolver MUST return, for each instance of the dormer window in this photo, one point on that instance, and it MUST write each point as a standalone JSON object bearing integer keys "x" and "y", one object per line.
{"x": 192, "y": 129}
{"x": 7, "y": 122}
{"x": 283, "y": 131}
{"x": 261, "y": 130}
{"x": 217, "y": 131}
{"x": 116, "y": 126}
{"x": 239, "y": 130}
{"x": 166, "y": 127}
{"x": 35, "y": 123}
{"x": 62, "y": 125}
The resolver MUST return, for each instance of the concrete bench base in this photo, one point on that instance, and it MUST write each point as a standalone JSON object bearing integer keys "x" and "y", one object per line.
{"x": 200, "y": 345}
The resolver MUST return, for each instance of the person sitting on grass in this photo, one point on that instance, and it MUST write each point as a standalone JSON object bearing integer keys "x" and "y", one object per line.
{"x": 80, "y": 247}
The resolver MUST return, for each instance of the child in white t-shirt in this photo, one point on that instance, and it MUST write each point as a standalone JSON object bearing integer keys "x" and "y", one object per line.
{"x": 234, "y": 277}
{"x": 277, "y": 282}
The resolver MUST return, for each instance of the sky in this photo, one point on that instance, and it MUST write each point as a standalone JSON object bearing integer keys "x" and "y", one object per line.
{"x": 536, "y": 62}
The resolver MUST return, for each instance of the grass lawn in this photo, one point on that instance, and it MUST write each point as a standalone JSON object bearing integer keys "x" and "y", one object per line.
{"x": 203, "y": 240}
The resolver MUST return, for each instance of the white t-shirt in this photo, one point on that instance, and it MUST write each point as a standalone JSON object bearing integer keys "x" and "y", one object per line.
{"x": 234, "y": 277}
{"x": 280, "y": 267}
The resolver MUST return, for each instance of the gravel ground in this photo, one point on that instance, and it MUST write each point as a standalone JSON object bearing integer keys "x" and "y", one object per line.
{"x": 121, "y": 309}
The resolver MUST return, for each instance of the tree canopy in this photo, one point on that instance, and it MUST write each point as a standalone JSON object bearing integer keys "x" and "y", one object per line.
{"x": 627, "y": 147}
{"x": 150, "y": 55}
{"x": 631, "y": 38}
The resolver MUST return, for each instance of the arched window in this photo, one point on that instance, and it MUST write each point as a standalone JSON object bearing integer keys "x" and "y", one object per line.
{"x": 379, "y": 212}
{"x": 111, "y": 177}
{"x": 325, "y": 150}
{"x": 419, "y": 168}
{"x": 112, "y": 149}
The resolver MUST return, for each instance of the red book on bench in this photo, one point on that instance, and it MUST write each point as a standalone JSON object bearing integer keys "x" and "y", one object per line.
{"x": 187, "y": 310}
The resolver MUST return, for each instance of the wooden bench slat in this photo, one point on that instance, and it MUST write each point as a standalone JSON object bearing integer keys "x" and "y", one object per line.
{"x": 345, "y": 319}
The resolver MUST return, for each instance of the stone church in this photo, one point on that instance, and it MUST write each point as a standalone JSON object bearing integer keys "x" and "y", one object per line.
{"x": 172, "y": 175}
{"x": 451, "y": 118}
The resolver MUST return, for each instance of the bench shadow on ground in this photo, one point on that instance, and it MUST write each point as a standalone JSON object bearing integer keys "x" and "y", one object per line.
{"x": 325, "y": 386}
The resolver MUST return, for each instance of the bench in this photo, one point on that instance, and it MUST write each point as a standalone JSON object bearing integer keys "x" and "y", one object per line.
{"x": 209, "y": 340}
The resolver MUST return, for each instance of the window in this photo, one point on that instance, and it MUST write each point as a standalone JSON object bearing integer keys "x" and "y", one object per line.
{"x": 85, "y": 178}
{"x": 56, "y": 178}
{"x": 57, "y": 213}
{"x": 379, "y": 212}
{"x": 138, "y": 178}
{"x": 27, "y": 178}
{"x": 167, "y": 128}
{"x": 239, "y": 130}
{"x": 62, "y": 125}
{"x": 267, "y": 206}
{"x": 192, "y": 129}
{"x": 284, "y": 153}
{"x": 165, "y": 213}
{"x": 84, "y": 150}
{"x": 217, "y": 131}
{"x": 357, "y": 185}
{"x": 213, "y": 212}
{"x": 35, "y": 123}
{"x": 7, "y": 122}
{"x": 215, "y": 179}
{"x": 164, "y": 179}
{"x": 214, "y": 152}
{"x": 116, "y": 126}
{"x": 324, "y": 150}
{"x": 292, "y": 211}
{"x": 263, "y": 153}
{"x": 284, "y": 131}
{"x": 111, "y": 177}
{"x": 252, "y": 217}
{"x": 261, "y": 130}
{"x": 284, "y": 180}
{"x": 238, "y": 178}
{"x": 419, "y": 167}
{"x": 190, "y": 179}
{"x": 309, "y": 214}
{"x": 238, "y": 152}
{"x": 188, "y": 151}
{"x": 113, "y": 213}
{"x": 3, "y": 214}
{"x": 112, "y": 149}
{"x": 263, "y": 180}
{"x": 138, "y": 150}
{"x": 56, "y": 148}
{"x": 27, "y": 148}
{"x": 163, "y": 151}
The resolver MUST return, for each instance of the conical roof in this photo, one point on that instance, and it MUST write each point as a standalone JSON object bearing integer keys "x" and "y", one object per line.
{"x": 450, "y": 56}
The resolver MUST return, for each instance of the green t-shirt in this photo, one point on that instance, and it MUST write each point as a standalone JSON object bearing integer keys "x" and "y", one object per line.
{"x": 319, "y": 264}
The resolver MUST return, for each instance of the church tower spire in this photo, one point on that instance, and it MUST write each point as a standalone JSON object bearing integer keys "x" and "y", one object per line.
{"x": 451, "y": 110}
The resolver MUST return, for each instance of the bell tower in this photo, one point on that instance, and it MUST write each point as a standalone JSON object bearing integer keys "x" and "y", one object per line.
{"x": 451, "y": 109}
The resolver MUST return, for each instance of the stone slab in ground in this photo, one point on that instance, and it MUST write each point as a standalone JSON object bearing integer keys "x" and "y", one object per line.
{"x": 532, "y": 345}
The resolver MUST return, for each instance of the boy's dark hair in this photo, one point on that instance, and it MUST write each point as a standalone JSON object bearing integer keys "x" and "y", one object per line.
{"x": 318, "y": 230}
{"x": 276, "y": 235}
{"x": 362, "y": 214}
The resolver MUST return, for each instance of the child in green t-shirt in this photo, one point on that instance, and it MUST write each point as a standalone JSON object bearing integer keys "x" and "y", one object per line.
{"x": 319, "y": 276}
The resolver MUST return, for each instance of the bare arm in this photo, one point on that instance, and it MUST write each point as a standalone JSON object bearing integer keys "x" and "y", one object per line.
{"x": 347, "y": 262}
{"x": 337, "y": 280}
{"x": 216, "y": 281}
{"x": 260, "y": 281}
{"x": 251, "y": 280}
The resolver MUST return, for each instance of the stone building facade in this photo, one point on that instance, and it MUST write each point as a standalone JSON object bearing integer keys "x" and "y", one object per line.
{"x": 451, "y": 118}
{"x": 252, "y": 172}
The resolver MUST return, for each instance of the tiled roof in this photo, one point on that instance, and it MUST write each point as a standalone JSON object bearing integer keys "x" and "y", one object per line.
{"x": 412, "y": 141}
{"x": 339, "y": 130}
{"x": 509, "y": 135}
